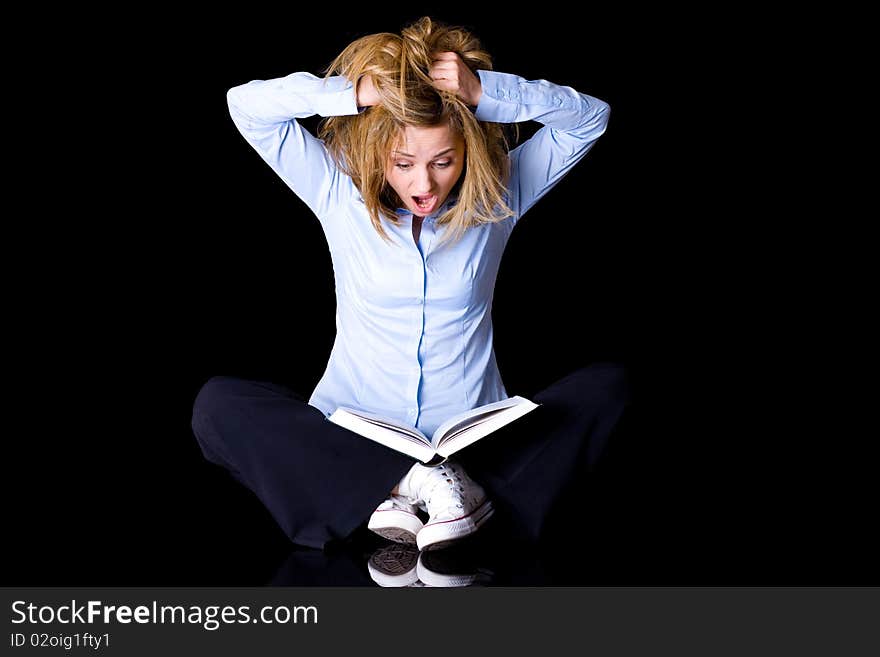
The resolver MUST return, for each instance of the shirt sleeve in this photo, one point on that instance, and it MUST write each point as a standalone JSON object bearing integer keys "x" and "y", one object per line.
{"x": 573, "y": 121}
{"x": 265, "y": 112}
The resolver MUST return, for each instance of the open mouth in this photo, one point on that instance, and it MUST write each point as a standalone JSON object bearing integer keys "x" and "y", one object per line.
{"x": 425, "y": 203}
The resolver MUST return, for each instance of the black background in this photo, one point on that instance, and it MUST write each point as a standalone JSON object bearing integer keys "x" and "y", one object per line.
{"x": 165, "y": 252}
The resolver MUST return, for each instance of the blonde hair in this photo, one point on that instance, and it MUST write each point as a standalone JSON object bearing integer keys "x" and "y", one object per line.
{"x": 360, "y": 144}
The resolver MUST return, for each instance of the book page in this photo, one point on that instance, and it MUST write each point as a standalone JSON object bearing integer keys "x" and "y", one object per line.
{"x": 468, "y": 432}
{"x": 474, "y": 416}
{"x": 407, "y": 440}
{"x": 464, "y": 425}
{"x": 409, "y": 432}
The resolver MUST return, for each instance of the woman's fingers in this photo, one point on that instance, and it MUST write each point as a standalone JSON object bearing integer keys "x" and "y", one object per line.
{"x": 444, "y": 67}
{"x": 444, "y": 72}
{"x": 444, "y": 64}
{"x": 448, "y": 72}
{"x": 438, "y": 81}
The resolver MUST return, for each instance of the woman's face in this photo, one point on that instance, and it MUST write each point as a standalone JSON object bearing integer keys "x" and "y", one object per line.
{"x": 424, "y": 166}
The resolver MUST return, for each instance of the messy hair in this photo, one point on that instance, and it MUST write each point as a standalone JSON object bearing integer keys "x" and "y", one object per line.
{"x": 360, "y": 144}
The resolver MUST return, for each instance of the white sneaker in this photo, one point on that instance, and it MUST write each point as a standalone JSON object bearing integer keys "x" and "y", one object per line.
{"x": 396, "y": 520}
{"x": 457, "y": 506}
{"x": 446, "y": 568}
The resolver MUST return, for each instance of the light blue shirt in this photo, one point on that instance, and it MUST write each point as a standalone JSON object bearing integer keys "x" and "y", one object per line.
{"x": 413, "y": 322}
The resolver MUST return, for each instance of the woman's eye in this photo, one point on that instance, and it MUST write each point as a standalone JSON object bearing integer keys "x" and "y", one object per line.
{"x": 404, "y": 166}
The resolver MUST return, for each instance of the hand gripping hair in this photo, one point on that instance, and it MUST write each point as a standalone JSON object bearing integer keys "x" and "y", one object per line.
{"x": 399, "y": 67}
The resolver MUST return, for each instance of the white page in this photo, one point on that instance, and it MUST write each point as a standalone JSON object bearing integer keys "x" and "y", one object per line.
{"x": 406, "y": 443}
{"x": 490, "y": 424}
{"x": 393, "y": 425}
{"x": 473, "y": 413}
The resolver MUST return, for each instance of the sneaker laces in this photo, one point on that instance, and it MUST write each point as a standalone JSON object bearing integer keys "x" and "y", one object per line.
{"x": 444, "y": 482}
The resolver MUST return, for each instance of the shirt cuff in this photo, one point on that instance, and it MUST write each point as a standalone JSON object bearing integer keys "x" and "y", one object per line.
{"x": 338, "y": 98}
{"x": 500, "y": 100}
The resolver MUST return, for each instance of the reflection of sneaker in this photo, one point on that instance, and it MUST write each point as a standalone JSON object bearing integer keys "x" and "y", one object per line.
{"x": 394, "y": 565}
{"x": 457, "y": 506}
{"x": 396, "y": 520}
{"x": 450, "y": 568}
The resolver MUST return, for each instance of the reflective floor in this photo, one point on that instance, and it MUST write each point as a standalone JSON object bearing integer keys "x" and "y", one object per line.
{"x": 493, "y": 556}
{"x": 643, "y": 519}
{"x": 134, "y": 529}
{"x": 619, "y": 534}
{"x": 387, "y": 564}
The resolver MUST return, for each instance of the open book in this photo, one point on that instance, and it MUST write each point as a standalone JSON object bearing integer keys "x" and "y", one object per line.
{"x": 456, "y": 433}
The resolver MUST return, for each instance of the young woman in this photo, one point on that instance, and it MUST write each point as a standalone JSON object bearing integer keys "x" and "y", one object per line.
{"x": 417, "y": 194}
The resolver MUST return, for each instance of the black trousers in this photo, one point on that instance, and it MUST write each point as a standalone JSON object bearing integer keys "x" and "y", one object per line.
{"x": 321, "y": 482}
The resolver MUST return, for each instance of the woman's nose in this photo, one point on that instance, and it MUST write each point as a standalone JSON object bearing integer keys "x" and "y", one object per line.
{"x": 424, "y": 182}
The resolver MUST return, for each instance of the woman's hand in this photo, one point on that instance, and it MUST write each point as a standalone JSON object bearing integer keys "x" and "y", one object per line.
{"x": 367, "y": 96}
{"x": 450, "y": 73}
